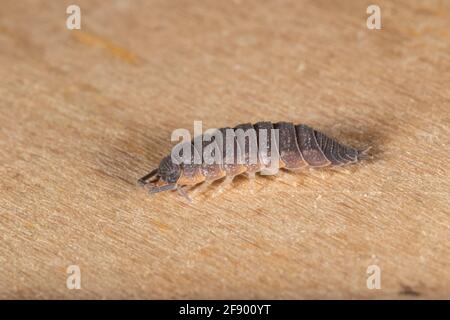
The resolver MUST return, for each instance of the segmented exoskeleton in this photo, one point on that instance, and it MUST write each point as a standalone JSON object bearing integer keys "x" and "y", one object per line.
{"x": 297, "y": 147}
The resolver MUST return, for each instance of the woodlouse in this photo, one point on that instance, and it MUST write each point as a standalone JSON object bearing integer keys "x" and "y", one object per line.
{"x": 297, "y": 147}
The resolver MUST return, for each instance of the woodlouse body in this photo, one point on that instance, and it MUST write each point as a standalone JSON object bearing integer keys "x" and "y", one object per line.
{"x": 297, "y": 147}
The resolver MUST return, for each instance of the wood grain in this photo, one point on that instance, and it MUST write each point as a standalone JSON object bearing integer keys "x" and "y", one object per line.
{"x": 85, "y": 113}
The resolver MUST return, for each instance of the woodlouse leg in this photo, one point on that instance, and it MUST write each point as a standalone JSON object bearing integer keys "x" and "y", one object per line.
{"x": 167, "y": 187}
{"x": 251, "y": 177}
{"x": 295, "y": 170}
{"x": 228, "y": 180}
{"x": 202, "y": 187}
{"x": 182, "y": 192}
{"x": 291, "y": 176}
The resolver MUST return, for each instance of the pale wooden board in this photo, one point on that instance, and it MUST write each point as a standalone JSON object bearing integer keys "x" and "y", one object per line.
{"x": 85, "y": 113}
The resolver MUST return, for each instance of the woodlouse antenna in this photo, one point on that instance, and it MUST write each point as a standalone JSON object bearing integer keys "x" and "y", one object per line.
{"x": 145, "y": 179}
{"x": 162, "y": 188}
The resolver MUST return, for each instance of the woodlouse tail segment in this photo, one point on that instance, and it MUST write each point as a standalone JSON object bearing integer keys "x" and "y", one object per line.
{"x": 336, "y": 153}
{"x": 364, "y": 154}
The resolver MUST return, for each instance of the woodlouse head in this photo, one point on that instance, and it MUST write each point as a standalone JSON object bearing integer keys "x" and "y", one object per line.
{"x": 168, "y": 171}
{"x": 162, "y": 179}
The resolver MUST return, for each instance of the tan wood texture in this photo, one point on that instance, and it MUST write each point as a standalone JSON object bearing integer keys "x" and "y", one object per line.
{"x": 85, "y": 113}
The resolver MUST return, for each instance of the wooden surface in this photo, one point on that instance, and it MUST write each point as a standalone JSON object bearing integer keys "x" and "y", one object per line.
{"x": 85, "y": 113}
